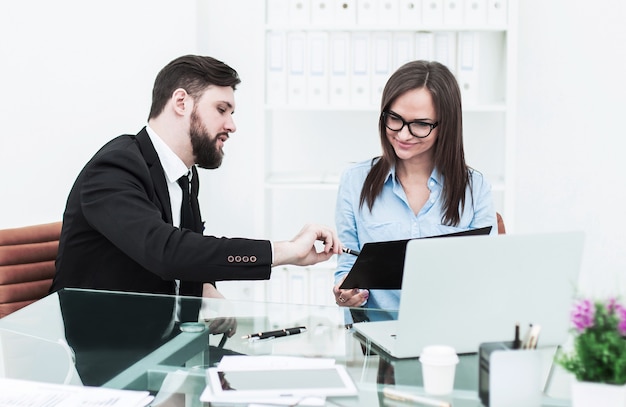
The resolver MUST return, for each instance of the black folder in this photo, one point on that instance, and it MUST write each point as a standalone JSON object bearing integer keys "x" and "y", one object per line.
{"x": 380, "y": 265}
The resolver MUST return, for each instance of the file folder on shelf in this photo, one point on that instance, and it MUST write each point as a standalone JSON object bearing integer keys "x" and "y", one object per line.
{"x": 402, "y": 48}
{"x": 445, "y": 49}
{"x": 467, "y": 74}
{"x": 317, "y": 81}
{"x": 388, "y": 12}
{"x": 344, "y": 12}
{"x": 276, "y": 72}
{"x": 277, "y": 11}
{"x": 339, "y": 88}
{"x": 321, "y": 12}
{"x": 410, "y": 13}
{"x": 359, "y": 81}
{"x": 367, "y": 12}
{"x": 432, "y": 12}
{"x": 475, "y": 12}
{"x": 453, "y": 12}
{"x": 296, "y": 63}
{"x": 299, "y": 11}
{"x": 424, "y": 43}
{"x": 381, "y": 64}
{"x": 497, "y": 12}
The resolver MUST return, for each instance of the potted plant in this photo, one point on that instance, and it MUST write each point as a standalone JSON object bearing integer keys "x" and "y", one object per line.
{"x": 597, "y": 358}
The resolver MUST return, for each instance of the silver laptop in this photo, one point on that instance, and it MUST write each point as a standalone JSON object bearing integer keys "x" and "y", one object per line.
{"x": 462, "y": 292}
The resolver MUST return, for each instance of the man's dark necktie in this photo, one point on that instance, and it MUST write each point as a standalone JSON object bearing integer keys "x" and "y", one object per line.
{"x": 187, "y": 221}
{"x": 186, "y": 214}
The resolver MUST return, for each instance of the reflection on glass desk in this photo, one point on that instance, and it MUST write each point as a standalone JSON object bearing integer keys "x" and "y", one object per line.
{"x": 130, "y": 341}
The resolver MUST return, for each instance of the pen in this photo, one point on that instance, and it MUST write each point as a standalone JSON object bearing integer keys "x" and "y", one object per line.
{"x": 275, "y": 334}
{"x": 350, "y": 251}
{"x": 517, "y": 343}
{"x": 402, "y": 396}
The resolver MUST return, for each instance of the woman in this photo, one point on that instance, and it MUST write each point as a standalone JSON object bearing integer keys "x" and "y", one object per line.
{"x": 420, "y": 186}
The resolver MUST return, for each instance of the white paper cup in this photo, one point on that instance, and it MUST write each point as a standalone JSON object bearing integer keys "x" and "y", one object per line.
{"x": 438, "y": 369}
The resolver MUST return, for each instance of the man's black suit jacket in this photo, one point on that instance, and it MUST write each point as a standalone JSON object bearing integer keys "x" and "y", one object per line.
{"x": 117, "y": 231}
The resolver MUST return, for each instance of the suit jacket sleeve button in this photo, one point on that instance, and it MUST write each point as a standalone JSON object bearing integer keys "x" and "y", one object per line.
{"x": 231, "y": 259}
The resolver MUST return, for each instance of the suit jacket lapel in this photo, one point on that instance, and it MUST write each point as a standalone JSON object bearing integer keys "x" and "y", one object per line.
{"x": 156, "y": 172}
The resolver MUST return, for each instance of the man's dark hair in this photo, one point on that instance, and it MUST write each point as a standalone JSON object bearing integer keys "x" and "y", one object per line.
{"x": 194, "y": 73}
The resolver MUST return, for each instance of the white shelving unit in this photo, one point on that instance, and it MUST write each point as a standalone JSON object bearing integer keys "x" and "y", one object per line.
{"x": 325, "y": 64}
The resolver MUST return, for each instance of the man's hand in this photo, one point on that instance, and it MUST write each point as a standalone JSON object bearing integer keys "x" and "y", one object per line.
{"x": 301, "y": 250}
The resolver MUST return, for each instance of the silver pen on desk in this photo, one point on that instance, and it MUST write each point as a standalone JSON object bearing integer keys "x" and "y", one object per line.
{"x": 397, "y": 395}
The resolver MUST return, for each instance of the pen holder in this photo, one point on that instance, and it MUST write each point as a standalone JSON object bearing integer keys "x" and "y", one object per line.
{"x": 508, "y": 377}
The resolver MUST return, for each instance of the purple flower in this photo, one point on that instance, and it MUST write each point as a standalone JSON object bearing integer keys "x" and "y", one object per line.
{"x": 583, "y": 315}
{"x": 621, "y": 315}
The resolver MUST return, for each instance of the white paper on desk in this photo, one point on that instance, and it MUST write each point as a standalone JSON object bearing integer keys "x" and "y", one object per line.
{"x": 264, "y": 362}
{"x": 19, "y": 393}
{"x": 208, "y": 396}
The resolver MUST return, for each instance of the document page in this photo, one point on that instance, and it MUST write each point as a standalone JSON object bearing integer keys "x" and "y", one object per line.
{"x": 20, "y": 393}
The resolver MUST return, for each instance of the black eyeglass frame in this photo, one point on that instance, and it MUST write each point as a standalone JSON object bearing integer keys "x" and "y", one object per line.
{"x": 386, "y": 113}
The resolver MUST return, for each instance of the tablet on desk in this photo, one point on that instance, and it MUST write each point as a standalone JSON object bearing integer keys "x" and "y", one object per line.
{"x": 380, "y": 265}
{"x": 329, "y": 381}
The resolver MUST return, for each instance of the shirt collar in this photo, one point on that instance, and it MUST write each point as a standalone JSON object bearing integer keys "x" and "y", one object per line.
{"x": 434, "y": 176}
{"x": 173, "y": 166}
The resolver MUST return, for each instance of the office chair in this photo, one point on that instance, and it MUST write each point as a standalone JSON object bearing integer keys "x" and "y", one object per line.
{"x": 501, "y": 228}
{"x": 27, "y": 256}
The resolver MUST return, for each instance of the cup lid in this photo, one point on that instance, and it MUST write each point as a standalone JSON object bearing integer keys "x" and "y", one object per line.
{"x": 439, "y": 355}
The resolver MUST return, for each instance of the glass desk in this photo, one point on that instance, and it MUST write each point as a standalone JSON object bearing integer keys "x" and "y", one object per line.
{"x": 128, "y": 341}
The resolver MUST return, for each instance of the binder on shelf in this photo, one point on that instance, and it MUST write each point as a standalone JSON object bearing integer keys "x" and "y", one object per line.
{"x": 276, "y": 72}
{"x": 298, "y": 283}
{"x": 497, "y": 12}
{"x": 467, "y": 73}
{"x": 424, "y": 46}
{"x": 402, "y": 49}
{"x": 317, "y": 81}
{"x": 344, "y": 12}
{"x": 367, "y": 12}
{"x": 381, "y": 64}
{"x": 276, "y": 287}
{"x": 360, "y": 73}
{"x": 453, "y": 12}
{"x": 475, "y": 12}
{"x": 296, "y": 65}
{"x": 410, "y": 13}
{"x": 339, "y": 88}
{"x": 389, "y": 12}
{"x": 432, "y": 12}
{"x": 277, "y": 11}
{"x": 321, "y": 12}
{"x": 299, "y": 12}
{"x": 445, "y": 49}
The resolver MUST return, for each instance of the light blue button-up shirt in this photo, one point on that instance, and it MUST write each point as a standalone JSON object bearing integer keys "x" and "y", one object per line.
{"x": 392, "y": 218}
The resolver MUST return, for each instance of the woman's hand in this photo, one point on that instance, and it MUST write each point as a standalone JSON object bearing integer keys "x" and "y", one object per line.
{"x": 354, "y": 297}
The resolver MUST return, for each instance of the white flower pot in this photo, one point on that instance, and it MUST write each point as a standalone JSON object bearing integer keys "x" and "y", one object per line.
{"x": 589, "y": 394}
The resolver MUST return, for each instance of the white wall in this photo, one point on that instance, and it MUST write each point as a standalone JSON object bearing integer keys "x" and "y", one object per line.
{"x": 75, "y": 74}
{"x": 570, "y": 165}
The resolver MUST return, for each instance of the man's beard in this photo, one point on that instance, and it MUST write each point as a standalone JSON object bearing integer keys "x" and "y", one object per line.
{"x": 204, "y": 147}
